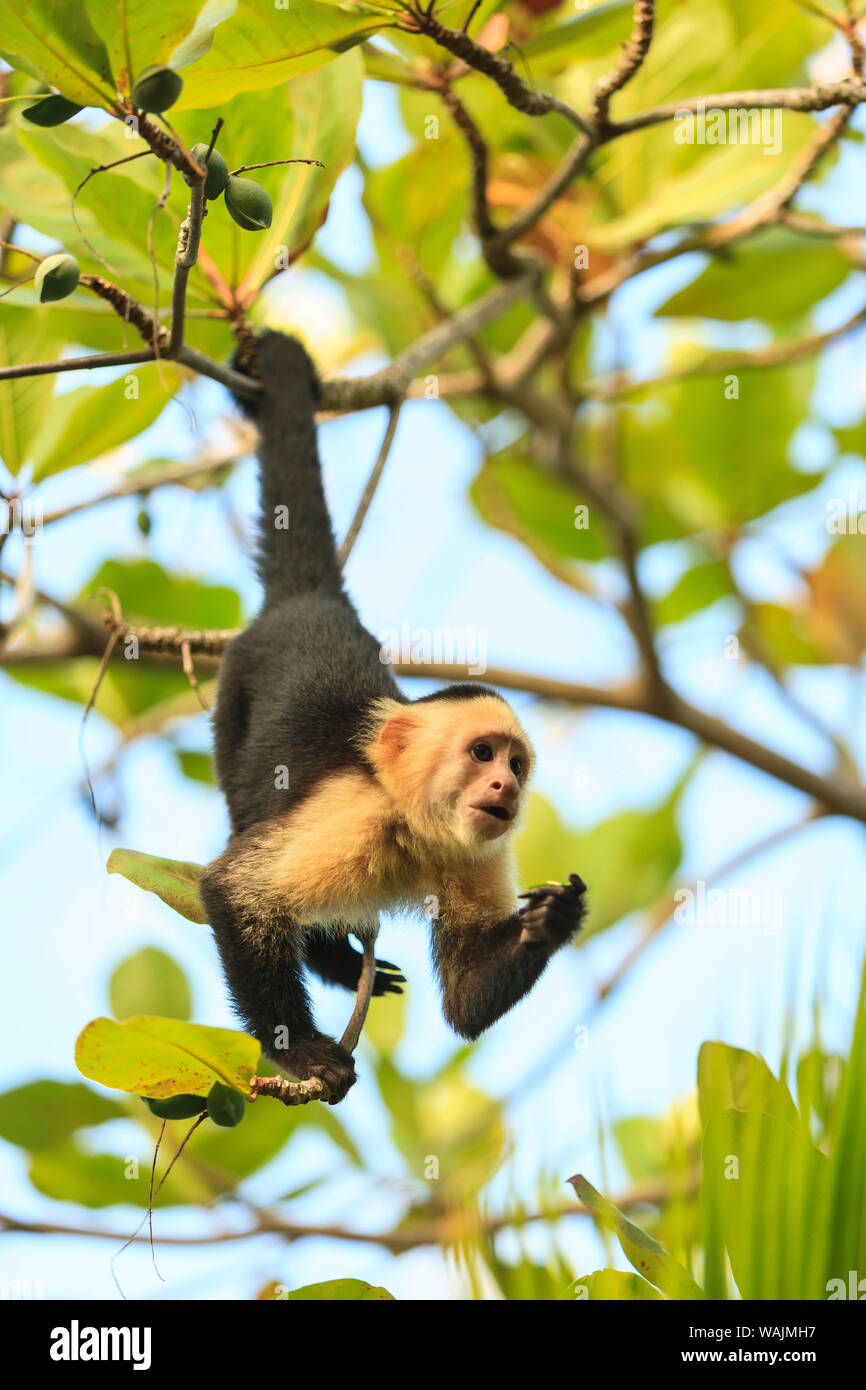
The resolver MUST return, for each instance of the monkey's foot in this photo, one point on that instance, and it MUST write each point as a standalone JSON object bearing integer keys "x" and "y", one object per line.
{"x": 553, "y": 913}
{"x": 322, "y": 1059}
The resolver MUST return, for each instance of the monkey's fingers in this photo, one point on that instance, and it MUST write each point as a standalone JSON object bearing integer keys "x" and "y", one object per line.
{"x": 387, "y": 965}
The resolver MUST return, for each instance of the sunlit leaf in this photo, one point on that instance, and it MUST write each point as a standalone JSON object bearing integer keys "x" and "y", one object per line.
{"x": 44, "y": 1113}
{"x": 174, "y": 881}
{"x": 165, "y": 1057}
{"x": 149, "y": 982}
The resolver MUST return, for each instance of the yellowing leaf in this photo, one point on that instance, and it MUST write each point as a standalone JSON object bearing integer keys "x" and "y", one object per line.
{"x": 161, "y": 1057}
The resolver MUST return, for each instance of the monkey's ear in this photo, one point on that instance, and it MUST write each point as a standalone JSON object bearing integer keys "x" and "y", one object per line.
{"x": 395, "y": 735}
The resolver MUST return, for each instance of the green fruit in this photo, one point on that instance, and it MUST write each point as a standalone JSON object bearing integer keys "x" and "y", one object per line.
{"x": 175, "y": 1107}
{"x": 157, "y": 88}
{"x": 143, "y": 521}
{"x": 56, "y": 277}
{"x": 217, "y": 170}
{"x": 248, "y": 204}
{"x": 225, "y": 1105}
{"x": 51, "y": 110}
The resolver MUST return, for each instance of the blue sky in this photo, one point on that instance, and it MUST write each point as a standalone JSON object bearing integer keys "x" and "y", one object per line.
{"x": 425, "y": 556}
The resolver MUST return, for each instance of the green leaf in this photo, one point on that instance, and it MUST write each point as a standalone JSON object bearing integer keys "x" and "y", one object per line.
{"x": 326, "y": 108}
{"x": 698, "y": 588}
{"x": 24, "y": 403}
{"x": 764, "y": 1186}
{"x": 627, "y": 860}
{"x": 59, "y": 40}
{"x": 261, "y": 47}
{"x": 150, "y": 982}
{"x": 44, "y": 1113}
{"x": 732, "y": 1078}
{"x": 650, "y": 1259}
{"x": 138, "y": 33}
{"x": 612, "y": 1285}
{"x": 516, "y": 496}
{"x": 69, "y": 1174}
{"x": 341, "y": 1291}
{"x": 164, "y": 1057}
{"x": 89, "y": 421}
{"x": 196, "y": 766}
{"x": 149, "y": 594}
{"x": 778, "y": 275}
{"x": 175, "y": 881}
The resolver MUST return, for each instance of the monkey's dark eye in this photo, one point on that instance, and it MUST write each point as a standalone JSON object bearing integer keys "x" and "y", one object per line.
{"x": 482, "y": 752}
{"x": 516, "y": 766}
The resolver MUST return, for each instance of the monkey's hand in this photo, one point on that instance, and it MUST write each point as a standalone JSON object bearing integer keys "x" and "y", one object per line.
{"x": 553, "y": 913}
{"x": 323, "y": 1058}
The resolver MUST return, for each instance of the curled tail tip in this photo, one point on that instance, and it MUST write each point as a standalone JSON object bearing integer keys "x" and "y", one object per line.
{"x": 276, "y": 358}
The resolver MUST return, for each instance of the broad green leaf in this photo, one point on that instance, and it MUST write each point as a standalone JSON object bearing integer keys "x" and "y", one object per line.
{"x": 708, "y": 451}
{"x": 731, "y": 1077}
{"x": 57, "y": 38}
{"x": 174, "y": 881}
{"x": 325, "y": 107}
{"x": 165, "y": 1057}
{"x": 765, "y": 1184}
{"x": 91, "y": 420}
{"x": 642, "y": 1143}
{"x": 778, "y": 275}
{"x": 198, "y": 767}
{"x": 595, "y": 34}
{"x": 842, "y": 1218}
{"x": 700, "y": 586}
{"x": 516, "y": 496}
{"x": 138, "y": 33}
{"x": 129, "y": 693}
{"x": 627, "y": 860}
{"x": 96, "y": 1180}
{"x": 150, "y": 594}
{"x": 114, "y": 208}
{"x": 612, "y": 1285}
{"x": 44, "y": 1113}
{"x": 150, "y": 982}
{"x": 24, "y": 402}
{"x": 341, "y": 1291}
{"x": 650, "y": 1259}
{"x": 262, "y": 46}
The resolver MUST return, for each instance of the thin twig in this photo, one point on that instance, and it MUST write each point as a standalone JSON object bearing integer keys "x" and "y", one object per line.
{"x": 369, "y": 492}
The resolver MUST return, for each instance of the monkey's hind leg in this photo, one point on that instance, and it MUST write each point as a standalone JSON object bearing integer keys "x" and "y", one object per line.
{"x": 262, "y": 963}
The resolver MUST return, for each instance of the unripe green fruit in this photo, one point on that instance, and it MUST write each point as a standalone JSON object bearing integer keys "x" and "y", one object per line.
{"x": 225, "y": 1105}
{"x": 175, "y": 1107}
{"x": 248, "y": 204}
{"x": 56, "y": 277}
{"x": 143, "y": 521}
{"x": 157, "y": 88}
{"x": 217, "y": 170}
{"x": 51, "y": 110}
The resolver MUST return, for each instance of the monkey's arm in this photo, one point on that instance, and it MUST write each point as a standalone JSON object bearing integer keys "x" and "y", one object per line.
{"x": 337, "y": 962}
{"x": 485, "y": 970}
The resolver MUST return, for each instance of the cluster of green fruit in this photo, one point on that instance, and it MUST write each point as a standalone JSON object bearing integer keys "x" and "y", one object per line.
{"x": 224, "y": 1105}
{"x": 156, "y": 90}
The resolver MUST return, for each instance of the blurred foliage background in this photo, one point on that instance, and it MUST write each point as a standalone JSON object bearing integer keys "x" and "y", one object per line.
{"x": 641, "y": 480}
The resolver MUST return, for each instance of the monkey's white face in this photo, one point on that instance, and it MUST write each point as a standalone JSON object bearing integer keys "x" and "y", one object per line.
{"x": 489, "y": 775}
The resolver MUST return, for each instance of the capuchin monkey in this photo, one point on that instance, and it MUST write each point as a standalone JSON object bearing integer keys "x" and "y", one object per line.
{"x": 391, "y": 804}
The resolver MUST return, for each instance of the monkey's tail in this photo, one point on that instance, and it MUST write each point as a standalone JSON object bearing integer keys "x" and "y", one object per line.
{"x": 296, "y": 551}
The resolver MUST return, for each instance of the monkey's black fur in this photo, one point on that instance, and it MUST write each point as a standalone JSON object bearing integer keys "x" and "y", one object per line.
{"x": 294, "y": 689}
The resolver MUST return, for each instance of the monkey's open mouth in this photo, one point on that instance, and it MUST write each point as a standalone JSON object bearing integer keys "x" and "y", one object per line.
{"x": 499, "y": 812}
